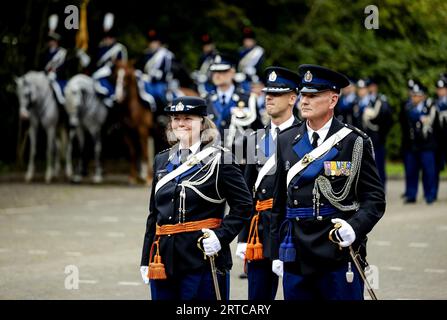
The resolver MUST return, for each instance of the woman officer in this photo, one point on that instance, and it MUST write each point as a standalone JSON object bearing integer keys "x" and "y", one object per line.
{"x": 193, "y": 181}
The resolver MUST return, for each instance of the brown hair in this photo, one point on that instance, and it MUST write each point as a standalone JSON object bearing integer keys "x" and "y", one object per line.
{"x": 208, "y": 132}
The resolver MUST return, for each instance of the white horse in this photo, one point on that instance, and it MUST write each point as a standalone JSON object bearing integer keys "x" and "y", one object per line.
{"x": 38, "y": 105}
{"x": 86, "y": 113}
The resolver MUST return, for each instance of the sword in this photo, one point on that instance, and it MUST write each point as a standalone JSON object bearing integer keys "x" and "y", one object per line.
{"x": 212, "y": 263}
{"x": 356, "y": 262}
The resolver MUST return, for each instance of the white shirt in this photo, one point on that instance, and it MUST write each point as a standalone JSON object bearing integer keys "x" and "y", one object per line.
{"x": 322, "y": 132}
{"x": 194, "y": 148}
{"x": 282, "y": 126}
{"x": 227, "y": 93}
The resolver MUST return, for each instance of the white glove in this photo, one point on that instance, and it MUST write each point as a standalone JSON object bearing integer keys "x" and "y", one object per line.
{"x": 211, "y": 245}
{"x": 144, "y": 270}
{"x": 241, "y": 249}
{"x": 278, "y": 267}
{"x": 346, "y": 233}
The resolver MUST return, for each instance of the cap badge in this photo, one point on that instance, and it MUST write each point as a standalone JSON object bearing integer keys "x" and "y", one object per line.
{"x": 217, "y": 59}
{"x": 272, "y": 76}
{"x": 179, "y": 106}
{"x": 440, "y": 83}
{"x": 308, "y": 76}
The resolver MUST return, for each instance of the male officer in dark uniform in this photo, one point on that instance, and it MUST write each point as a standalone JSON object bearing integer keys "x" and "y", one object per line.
{"x": 420, "y": 126}
{"x": 372, "y": 114}
{"x": 232, "y": 109}
{"x": 326, "y": 180}
{"x": 254, "y": 240}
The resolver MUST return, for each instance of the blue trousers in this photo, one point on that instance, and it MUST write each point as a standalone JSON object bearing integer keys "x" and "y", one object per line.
{"x": 191, "y": 286}
{"x": 262, "y": 282}
{"x": 326, "y": 286}
{"x": 380, "y": 154}
{"x": 414, "y": 162}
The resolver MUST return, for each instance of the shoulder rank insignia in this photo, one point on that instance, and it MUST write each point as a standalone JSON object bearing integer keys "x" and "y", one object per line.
{"x": 337, "y": 168}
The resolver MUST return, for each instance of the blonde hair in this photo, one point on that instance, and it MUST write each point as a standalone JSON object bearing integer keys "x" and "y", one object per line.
{"x": 208, "y": 132}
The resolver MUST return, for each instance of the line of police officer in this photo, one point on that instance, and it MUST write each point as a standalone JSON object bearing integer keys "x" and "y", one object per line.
{"x": 316, "y": 194}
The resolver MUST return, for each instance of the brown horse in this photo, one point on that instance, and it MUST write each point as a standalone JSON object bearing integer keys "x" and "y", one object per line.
{"x": 137, "y": 120}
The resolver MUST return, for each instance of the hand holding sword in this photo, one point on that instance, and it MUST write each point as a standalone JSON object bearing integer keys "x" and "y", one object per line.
{"x": 343, "y": 235}
{"x": 210, "y": 245}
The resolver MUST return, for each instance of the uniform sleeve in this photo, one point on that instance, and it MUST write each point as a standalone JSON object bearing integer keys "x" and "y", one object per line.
{"x": 250, "y": 173}
{"x": 279, "y": 202}
{"x": 370, "y": 194}
{"x": 150, "y": 224}
{"x": 233, "y": 187}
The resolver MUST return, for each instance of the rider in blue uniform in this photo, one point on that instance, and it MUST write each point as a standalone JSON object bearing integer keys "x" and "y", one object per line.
{"x": 419, "y": 122}
{"x": 345, "y": 105}
{"x": 54, "y": 60}
{"x": 251, "y": 58}
{"x": 155, "y": 65}
{"x": 109, "y": 52}
{"x": 202, "y": 76}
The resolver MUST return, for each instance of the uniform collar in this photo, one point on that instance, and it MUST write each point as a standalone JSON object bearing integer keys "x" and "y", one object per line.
{"x": 322, "y": 132}
{"x": 289, "y": 122}
{"x": 194, "y": 148}
{"x": 227, "y": 93}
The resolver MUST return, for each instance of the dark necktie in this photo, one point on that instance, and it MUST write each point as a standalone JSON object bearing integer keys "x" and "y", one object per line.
{"x": 315, "y": 138}
{"x": 277, "y": 130}
{"x": 223, "y": 99}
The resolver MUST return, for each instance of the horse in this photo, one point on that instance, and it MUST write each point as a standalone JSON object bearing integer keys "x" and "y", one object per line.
{"x": 137, "y": 122}
{"x": 86, "y": 113}
{"x": 38, "y": 105}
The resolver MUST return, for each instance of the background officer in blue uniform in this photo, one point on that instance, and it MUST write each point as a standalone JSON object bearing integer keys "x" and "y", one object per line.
{"x": 251, "y": 58}
{"x": 232, "y": 109}
{"x": 109, "y": 52}
{"x": 419, "y": 123}
{"x": 193, "y": 182}
{"x": 372, "y": 114}
{"x": 326, "y": 175}
{"x": 202, "y": 76}
{"x": 280, "y": 95}
{"x": 345, "y": 105}
{"x": 156, "y": 65}
{"x": 54, "y": 59}
{"x": 441, "y": 105}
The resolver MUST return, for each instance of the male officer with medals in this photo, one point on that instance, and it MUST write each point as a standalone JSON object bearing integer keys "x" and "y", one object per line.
{"x": 254, "y": 240}
{"x": 328, "y": 196}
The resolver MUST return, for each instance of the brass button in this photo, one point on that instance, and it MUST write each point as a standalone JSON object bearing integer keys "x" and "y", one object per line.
{"x": 319, "y": 218}
{"x": 264, "y": 191}
{"x": 297, "y": 219}
{"x": 295, "y": 202}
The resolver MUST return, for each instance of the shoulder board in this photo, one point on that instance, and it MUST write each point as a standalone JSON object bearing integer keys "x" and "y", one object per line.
{"x": 168, "y": 149}
{"x": 357, "y": 130}
{"x": 291, "y": 127}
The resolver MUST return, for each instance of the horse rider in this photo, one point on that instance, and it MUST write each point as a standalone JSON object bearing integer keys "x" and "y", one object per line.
{"x": 372, "y": 114}
{"x": 441, "y": 104}
{"x": 232, "y": 109}
{"x": 155, "y": 65}
{"x": 193, "y": 182}
{"x": 345, "y": 105}
{"x": 420, "y": 127}
{"x": 202, "y": 75}
{"x": 327, "y": 196}
{"x": 54, "y": 60}
{"x": 251, "y": 58}
{"x": 109, "y": 52}
{"x": 254, "y": 241}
